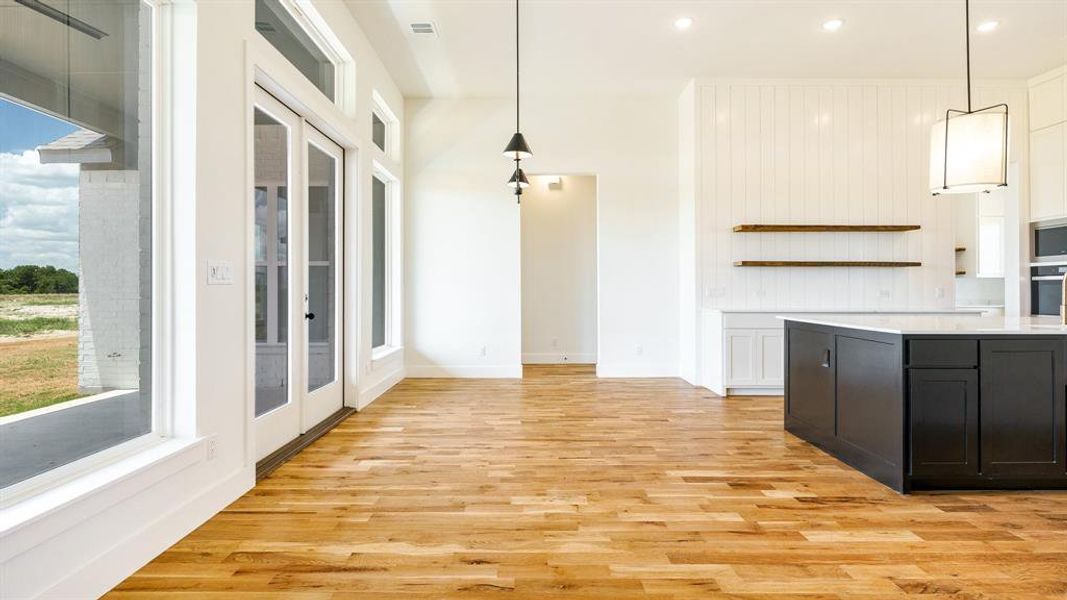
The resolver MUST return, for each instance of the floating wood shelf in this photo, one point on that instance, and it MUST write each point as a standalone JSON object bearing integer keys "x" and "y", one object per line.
{"x": 766, "y": 228}
{"x": 960, "y": 249}
{"x": 960, "y": 273}
{"x": 825, "y": 263}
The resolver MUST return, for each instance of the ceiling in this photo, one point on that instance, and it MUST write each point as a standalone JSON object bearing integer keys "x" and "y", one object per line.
{"x": 632, "y": 46}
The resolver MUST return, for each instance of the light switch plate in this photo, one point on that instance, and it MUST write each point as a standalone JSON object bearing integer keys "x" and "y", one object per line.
{"x": 219, "y": 272}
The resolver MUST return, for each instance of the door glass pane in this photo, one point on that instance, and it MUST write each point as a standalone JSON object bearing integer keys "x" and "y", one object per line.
{"x": 279, "y": 27}
{"x": 271, "y": 274}
{"x": 76, "y": 231}
{"x": 378, "y": 217}
{"x": 322, "y": 270}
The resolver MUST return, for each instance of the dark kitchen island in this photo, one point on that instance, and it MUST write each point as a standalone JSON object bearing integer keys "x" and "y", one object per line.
{"x": 932, "y": 402}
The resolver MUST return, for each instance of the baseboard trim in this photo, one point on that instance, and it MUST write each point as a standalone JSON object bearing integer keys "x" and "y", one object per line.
{"x": 282, "y": 455}
{"x": 609, "y": 371}
{"x": 465, "y": 371}
{"x": 375, "y": 391}
{"x": 755, "y": 391}
{"x": 113, "y": 566}
{"x": 549, "y": 358}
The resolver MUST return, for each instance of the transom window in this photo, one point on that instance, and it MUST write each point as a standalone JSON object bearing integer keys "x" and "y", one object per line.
{"x": 378, "y": 131}
{"x": 275, "y": 23}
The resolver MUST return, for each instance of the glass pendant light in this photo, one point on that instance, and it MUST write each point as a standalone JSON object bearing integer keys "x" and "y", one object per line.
{"x": 517, "y": 149}
{"x": 969, "y": 149}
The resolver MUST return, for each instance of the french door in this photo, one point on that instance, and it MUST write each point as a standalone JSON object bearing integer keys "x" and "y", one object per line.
{"x": 297, "y": 201}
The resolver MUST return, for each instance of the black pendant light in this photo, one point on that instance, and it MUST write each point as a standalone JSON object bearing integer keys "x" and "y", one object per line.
{"x": 517, "y": 149}
{"x": 969, "y": 148}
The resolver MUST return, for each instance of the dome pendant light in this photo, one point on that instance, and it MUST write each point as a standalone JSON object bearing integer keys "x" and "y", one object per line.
{"x": 517, "y": 149}
{"x": 969, "y": 149}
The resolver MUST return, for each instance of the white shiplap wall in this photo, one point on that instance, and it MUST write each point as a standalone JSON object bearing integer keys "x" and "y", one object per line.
{"x": 853, "y": 152}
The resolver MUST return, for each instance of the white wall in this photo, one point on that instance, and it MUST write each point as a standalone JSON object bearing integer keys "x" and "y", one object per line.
{"x": 559, "y": 270}
{"x": 462, "y": 252}
{"x": 853, "y": 152}
{"x": 91, "y": 543}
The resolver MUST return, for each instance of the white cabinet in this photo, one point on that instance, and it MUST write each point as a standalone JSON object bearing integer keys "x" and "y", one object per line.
{"x": 770, "y": 352}
{"x": 989, "y": 241}
{"x": 740, "y": 354}
{"x": 1048, "y": 173}
{"x": 754, "y": 358}
{"x": 1047, "y": 101}
{"x": 1048, "y": 146}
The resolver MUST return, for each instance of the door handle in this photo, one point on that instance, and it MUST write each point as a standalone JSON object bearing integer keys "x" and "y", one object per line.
{"x": 826, "y": 361}
{"x": 309, "y": 316}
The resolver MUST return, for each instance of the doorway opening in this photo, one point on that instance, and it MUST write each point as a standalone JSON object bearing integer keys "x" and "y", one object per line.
{"x": 559, "y": 270}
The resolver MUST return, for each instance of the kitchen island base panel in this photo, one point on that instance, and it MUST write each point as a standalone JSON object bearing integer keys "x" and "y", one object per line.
{"x": 931, "y": 412}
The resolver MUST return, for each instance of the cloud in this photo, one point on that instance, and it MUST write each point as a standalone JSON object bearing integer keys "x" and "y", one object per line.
{"x": 38, "y": 212}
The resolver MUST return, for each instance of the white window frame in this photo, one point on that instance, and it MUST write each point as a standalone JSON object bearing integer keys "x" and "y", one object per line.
{"x": 344, "y": 67}
{"x": 393, "y": 260}
{"x": 380, "y": 108}
{"x": 173, "y": 313}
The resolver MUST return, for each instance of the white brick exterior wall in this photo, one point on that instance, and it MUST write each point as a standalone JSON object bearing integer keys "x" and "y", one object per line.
{"x": 109, "y": 294}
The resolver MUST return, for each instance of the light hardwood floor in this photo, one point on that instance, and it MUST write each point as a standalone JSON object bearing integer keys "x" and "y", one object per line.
{"x": 563, "y": 486}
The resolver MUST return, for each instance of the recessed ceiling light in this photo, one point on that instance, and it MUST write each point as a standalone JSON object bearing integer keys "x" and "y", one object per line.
{"x": 987, "y": 26}
{"x": 683, "y": 23}
{"x": 833, "y": 24}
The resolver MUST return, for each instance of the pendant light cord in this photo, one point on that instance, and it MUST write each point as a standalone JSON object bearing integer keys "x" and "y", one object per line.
{"x": 517, "y": 65}
{"x": 967, "y": 26}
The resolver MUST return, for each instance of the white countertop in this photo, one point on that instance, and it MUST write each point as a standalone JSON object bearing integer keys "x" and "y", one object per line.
{"x": 938, "y": 324}
{"x": 851, "y": 311}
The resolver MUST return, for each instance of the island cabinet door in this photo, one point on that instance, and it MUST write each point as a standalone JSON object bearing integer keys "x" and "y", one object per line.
{"x": 1022, "y": 408}
{"x": 810, "y": 396}
{"x": 944, "y": 422}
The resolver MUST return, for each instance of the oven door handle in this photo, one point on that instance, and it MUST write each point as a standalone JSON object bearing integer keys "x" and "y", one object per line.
{"x": 1047, "y": 278}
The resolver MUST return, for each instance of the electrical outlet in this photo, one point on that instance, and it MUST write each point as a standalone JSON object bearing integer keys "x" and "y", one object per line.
{"x": 939, "y": 292}
{"x": 485, "y": 351}
{"x": 714, "y": 292}
{"x": 212, "y": 447}
{"x": 885, "y": 294}
{"x": 640, "y": 350}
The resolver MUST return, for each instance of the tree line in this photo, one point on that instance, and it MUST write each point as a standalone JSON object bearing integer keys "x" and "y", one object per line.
{"x": 35, "y": 279}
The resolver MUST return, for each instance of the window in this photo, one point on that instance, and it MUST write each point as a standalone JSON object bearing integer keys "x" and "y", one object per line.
{"x": 378, "y": 131}
{"x": 76, "y": 232}
{"x": 379, "y": 259}
{"x": 385, "y": 127}
{"x": 278, "y": 26}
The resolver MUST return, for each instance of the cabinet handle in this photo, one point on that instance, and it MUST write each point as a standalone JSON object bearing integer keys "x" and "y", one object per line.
{"x": 826, "y": 361}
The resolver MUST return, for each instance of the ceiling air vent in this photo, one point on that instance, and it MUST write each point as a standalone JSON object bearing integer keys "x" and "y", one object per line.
{"x": 424, "y": 29}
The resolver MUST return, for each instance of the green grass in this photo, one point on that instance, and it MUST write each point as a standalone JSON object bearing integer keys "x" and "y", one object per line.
{"x": 37, "y": 373}
{"x": 36, "y": 325}
{"x": 40, "y": 299}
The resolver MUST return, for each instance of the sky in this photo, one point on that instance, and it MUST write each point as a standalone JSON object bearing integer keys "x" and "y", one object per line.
{"x": 38, "y": 203}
